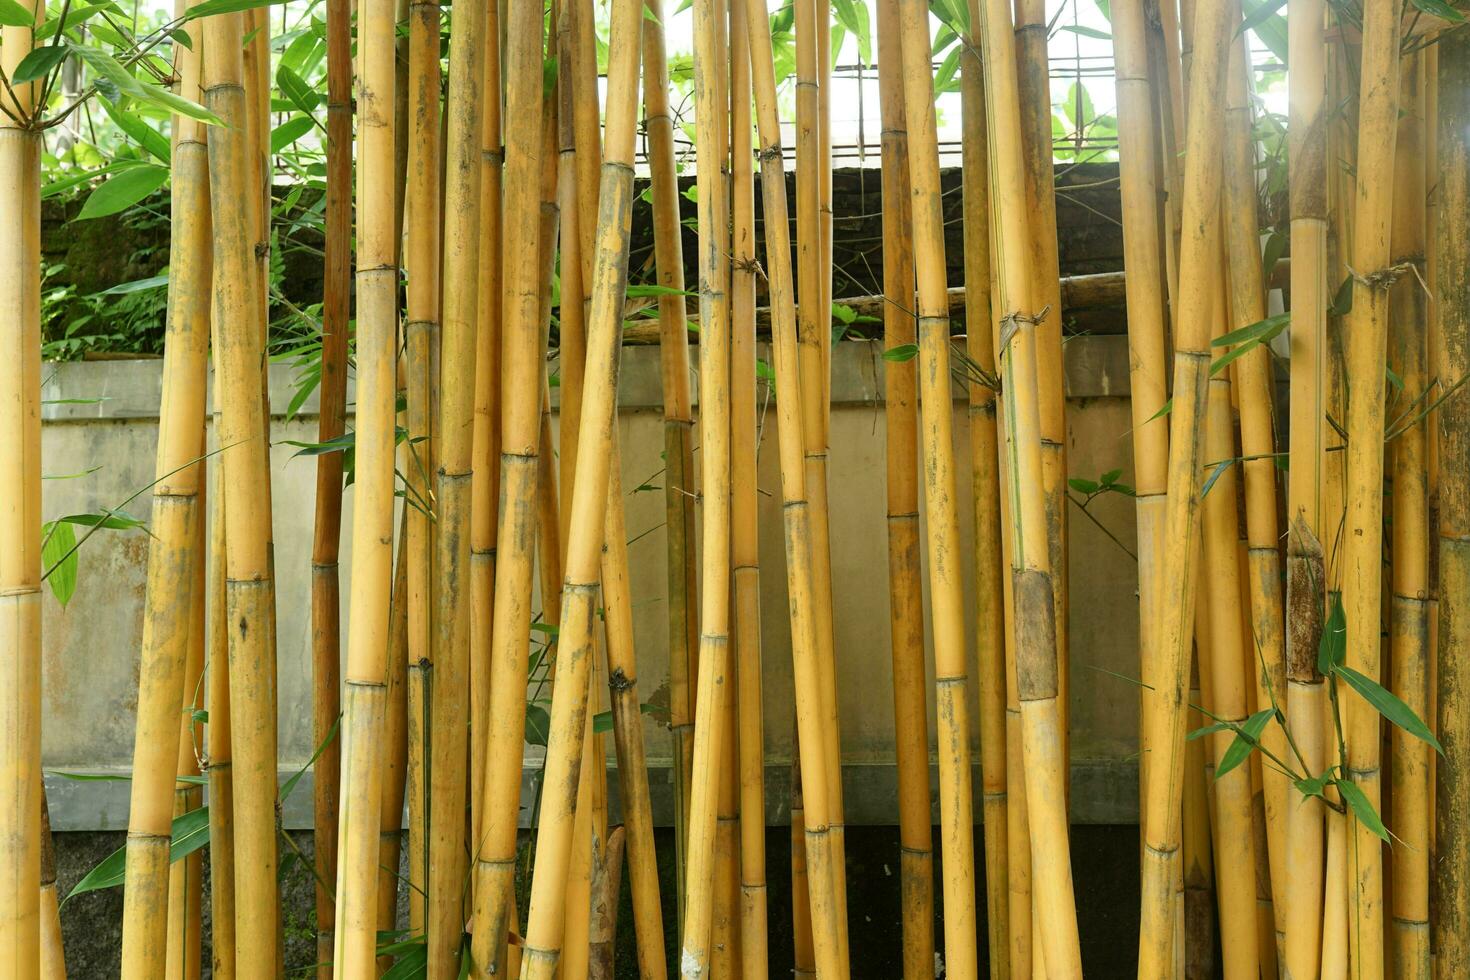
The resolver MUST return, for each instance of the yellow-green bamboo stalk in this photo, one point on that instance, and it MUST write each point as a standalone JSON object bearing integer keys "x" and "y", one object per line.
{"x": 372, "y": 528}
{"x": 423, "y": 221}
{"x": 1036, "y": 649}
{"x": 579, "y": 593}
{"x": 744, "y": 517}
{"x": 1366, "y": 341}
{"x": 20, "y": 516}
{"x": 1409, "y": 812}
{"x": 247, "y": 574}
{"x": 1198, "y": 269}
{"x": 185, "y": 894}
{"x": 173, "y": 551}
{"x": 682, "y": 589}
{"x": 827, "y": 957}
{"x": 905, "y": 566}
{"x": 1451, "y": 883}
{"x": 454, "y": 433}
{"x": 485, "y": 452}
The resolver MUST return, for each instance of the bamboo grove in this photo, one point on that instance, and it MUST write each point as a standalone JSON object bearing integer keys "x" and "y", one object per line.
{"x": 1300, "y": 485}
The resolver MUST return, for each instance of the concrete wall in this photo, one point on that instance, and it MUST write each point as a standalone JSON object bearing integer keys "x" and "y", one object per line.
{"x": 91, "y": 646}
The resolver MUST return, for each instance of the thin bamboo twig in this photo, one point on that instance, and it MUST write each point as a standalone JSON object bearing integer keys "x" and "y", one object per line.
{"x": 173, "y": 553}
{"x": 20, "y": 516}
{"x": 545, "y": 921}
{"x": 905, "y": 567}
{"x": 248, "y": 589}
{"x": 827, "y": 958}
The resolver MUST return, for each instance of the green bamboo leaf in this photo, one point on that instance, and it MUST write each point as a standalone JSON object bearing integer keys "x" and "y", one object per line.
{"x": 1247, "y": 737}
{"x": 1440, "y": 9}
{"x": 190, "y": 832}
{"x": 123, "y": 191}
{"x": 1360, "y": 806}
{"x": 116, "y": 520}
{"x": 903, "y": 352}
{"x": 1387, "y": 704}
{"x": 59, "y": 557}
{"x": 1198, "y": 733}
{"x": 92, "y": 777}
{"x": 211, "y": 7}
{"x": 289, "y": 786}
{"x": 1083, "y": 485}
{"x": 1313, "y": 786}
{"x": 38, "y": 64}
{"x": 1088, "y": 32}
{"x": 111, "y": 71}
{"x": 1332, "y": 647}
{"x": 141, "y": 133}
{"x": 538, "y": 725}
{"x": 290, "y": 131}
{"x": 13, "y": 14}
{"x": 295, "y": 89}
{"x": 1342, "y": 300}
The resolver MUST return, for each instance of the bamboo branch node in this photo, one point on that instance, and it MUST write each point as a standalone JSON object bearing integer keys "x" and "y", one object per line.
{"x": 1012, "y": 322}
{"x": 1385, "y": 279}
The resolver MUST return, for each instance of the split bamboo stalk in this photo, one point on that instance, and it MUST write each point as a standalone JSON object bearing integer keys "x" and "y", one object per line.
{"x": 567, "y": 738}
{"x": 935, "y": 422}
{"x": 1409, "y": 812}
{"x": 606, "y": 888}
{"x": 218, "y": 736}
{"x": 20, "y": 516}
{"x": 1227, "y": 672}
{"x": 485, "y": 451}
{"x": 905, "y": 566}
{"x": 1197, "y": 270}
{"x": 1034, "y": 90}
{"x": 816, "y": 855}
{"x": 423, "y": 222}
{"x": 1305, "y": 692}
{"x": 185, "y": 883}
{"x": 1037, "y": 665}
{"x": 682, "y": 588}
{"x": 622, "y": 679}
{"x": 711, "y": 93}
{"x": 326, "y": 636}
{"x": 1366, "y": 341}
{"x": 990, "y": 561}
{"x": 1451, "y": 888}
{"x": 745, "y": 437}
{"x": 172, "y": 554}
{"x": 1139, "y": 181}
{"x": 454, "y": 434}
{"x": 1253, "y": 387}
{"x": 395, "y": 735}
{"x": 372, "y": 529}
{"x": 247, "y": 573}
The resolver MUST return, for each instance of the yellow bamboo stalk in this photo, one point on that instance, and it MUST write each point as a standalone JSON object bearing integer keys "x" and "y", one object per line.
{"x": 1198, "y": 269}
{"x": 1366, "y": 341}
{"x": 682, "y": 589}
{"x": 569, "y": 703}
{"x": 423, "y": 221}
{"x": 1409, "y": 813}
{"x": 20, "y": 517}
{"x": 173, "y": 551}
{"x": 906, "y": 598}
{"x": 218, "y": 763}
{"x": 1451, "y": 885}
{"x": 812, "y": 828}
{"x": 744, "y": 516}
{"x": 803, "y": 945}
{"x": 395, "y": 735}
{"x": 1043, "y": 747}
{"x": 53, "y": 955}
{"x": 185, "y": 894}
{"x": 1194, "y": 926}
{"x": 606, "y": 886}
{"x": 247, "y": 574}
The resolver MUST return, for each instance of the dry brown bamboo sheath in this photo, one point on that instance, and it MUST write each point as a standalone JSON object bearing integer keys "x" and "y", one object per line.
{"x": 579, "y": 593}
{"x": 990, "y": 563}
{"x": 744, "y": 511}
{"x": 1409, "y": 615}
{"x": 710, "y": 715}
{"x": 247, "y": 584}
{"x": 326, "y": 627}
{"x": 454, "y": 436}
{"x": 1365, "y": 336}
{"x": 817, "y": 853}
{"x": 1147, "y": 319}
{"x": 173, "y": 553}
{"x": 1451, "y": 888}
{"x": 422, "y": 221}
{"x": 944, "y": 554}
{"x": 905, "y": 568}
{"x": 20, "y": 521}
{"x": 622, "y": 679}
{"x": 1198, "y": 269}
{"x": 682, "y": 590}
{"x": 485, "y": 451}
{"x": 1305, "y": 694}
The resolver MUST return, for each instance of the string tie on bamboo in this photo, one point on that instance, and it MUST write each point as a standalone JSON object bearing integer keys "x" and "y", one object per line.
{"x": 1012, "y": 322}
{"x": 1384, "y": 279}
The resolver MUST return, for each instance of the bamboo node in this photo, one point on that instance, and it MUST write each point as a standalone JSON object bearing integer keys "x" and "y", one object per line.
{"x": 1385, "y": 279}
{"x": 618, "y": 681}
{"x": 1011, "y": 324}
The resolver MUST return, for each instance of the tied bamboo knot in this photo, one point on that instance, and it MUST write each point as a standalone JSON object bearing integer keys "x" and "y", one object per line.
{"x": 1011, "y": 324}
{"x": 751, "y": 265}
{"x": 1385, "y": 279}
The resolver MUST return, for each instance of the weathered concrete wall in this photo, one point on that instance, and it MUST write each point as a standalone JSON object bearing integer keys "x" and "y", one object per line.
{"x": 91, "y": 646}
